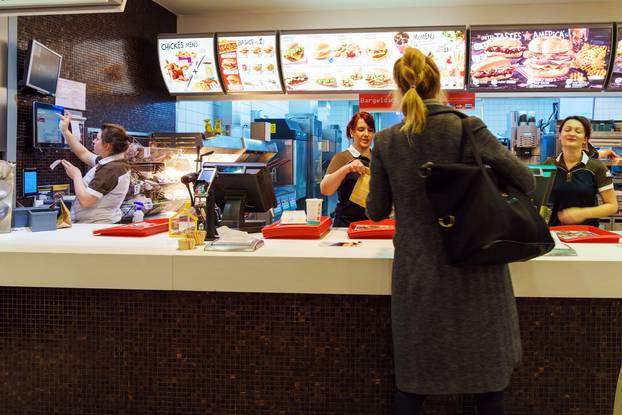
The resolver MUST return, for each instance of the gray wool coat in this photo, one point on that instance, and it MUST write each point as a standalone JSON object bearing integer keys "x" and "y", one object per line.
{"x": 455, "y": 329}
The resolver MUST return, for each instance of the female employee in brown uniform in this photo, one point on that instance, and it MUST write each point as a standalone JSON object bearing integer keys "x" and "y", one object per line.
{"x": 579, "y": 179}
{"x": 345, "y": 167}
{"x": 101, "y": 191}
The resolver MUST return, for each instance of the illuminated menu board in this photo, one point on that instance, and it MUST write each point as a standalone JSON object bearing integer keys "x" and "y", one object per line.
{"x": 188, "y": 64}
{"x": 363, "y": 61}
{"x": 248, "y": 62}
{"x": 615, "y": 81}
{"x": 546, "y": 57}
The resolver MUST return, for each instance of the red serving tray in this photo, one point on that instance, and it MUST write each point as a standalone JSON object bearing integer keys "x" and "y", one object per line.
{"x": 383, "y": 233}
{"x": 145, "y": 228}
{"x": 306, "y": 231}
{"x": 601, "y": 235}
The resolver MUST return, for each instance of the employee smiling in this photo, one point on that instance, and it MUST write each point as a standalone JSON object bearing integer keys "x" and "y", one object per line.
{"x": 101, "y": 191}
{"x": 579, "y": 179}
{"x": 345, "y": 167}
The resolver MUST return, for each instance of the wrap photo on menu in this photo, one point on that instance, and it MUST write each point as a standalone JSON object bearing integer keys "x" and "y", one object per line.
{"x": 363, "y": 61}
{"x": 540, "y": 58}
{"x": 188, "y": 65}
{"x": 615, "y": 82}
{"x": 248, "y": 63}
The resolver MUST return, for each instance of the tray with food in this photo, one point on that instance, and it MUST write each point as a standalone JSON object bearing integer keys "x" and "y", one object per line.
{"x": 367, "y": 229}
{"x": 584, "y": 234}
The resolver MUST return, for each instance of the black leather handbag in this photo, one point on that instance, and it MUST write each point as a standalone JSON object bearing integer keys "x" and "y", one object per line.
{"x": 483, "y": 219}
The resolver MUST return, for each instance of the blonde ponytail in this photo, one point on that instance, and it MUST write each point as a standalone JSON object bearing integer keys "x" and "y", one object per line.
{"x": 417, "y": 78}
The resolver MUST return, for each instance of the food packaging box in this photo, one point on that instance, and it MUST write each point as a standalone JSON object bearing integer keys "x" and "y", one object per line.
{"x": 42, "y": 221}
{"x": 260, "y": 131}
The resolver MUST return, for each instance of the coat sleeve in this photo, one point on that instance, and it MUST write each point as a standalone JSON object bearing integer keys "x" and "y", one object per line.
{"x": 379, "y": 199}
{"x": 502, "y": 161}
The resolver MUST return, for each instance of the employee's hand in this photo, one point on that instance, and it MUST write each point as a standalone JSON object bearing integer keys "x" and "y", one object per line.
{"x": 64, "y": 122}
{"x": 73, "y": 172}
{"x": 571, "y": 216}
{"x": 356, "y": 167}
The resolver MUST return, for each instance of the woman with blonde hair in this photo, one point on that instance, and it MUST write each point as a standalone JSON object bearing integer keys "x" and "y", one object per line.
{"x": 455, "y": 328}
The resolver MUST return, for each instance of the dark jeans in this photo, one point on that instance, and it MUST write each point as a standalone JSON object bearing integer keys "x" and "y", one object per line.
{"x": 490, "y": 403}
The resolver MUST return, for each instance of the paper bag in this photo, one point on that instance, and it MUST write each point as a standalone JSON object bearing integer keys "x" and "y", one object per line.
{"x": 63, "y": 220}
{"x": 361, "y": 190}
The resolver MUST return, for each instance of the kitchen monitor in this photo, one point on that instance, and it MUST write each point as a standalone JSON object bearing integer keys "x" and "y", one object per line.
{"x": 248, "y": 62}
{"x": 45, "y": 130}
{"x": 615, "y": 79}
{"x": 362, "y": 60}
{"x": 188, "y": 64}
{"x": 543, "y": 57}
{"x": 42, "y": 68}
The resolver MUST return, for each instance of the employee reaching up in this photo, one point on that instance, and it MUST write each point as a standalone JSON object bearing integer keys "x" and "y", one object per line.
{"x": 345, "y": 167}
{"x": 101, "y": 191}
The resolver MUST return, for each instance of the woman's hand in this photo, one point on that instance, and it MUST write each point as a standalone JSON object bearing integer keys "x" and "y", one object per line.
{"x": 65, "y": 121}
{"x": 571, "y": 216}
{"x": 72, "y": 171}
{"x": 356, "y": 166}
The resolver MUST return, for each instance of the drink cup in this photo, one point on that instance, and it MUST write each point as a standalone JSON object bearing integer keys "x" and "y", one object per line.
{"x": 314, "y": 211}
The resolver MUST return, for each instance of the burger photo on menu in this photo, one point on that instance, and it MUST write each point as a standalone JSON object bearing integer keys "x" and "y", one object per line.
{"x": 326, "y": 79}
{"x": 321, "y": 51}
{"x": 618, "y": 60}
{"x": 229, "y": 64}
{"x": 296, "y": 79}
{"x": 495, "y": 68}
{"x": 548, "y": 57}
{"x": 505, "y": 47}
{"x": 294, "y": 52}
{"x": 377, "y": 50}
{"x": 378, "y": 78}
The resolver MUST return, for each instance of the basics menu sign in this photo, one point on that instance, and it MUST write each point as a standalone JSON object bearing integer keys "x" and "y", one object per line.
{"x": 528, "y": 58}
{"x": 248, "y": 63}
{"x": 615, "y": 82}
{"x": 188, "y": 64}
{"x": 363, "y": 61}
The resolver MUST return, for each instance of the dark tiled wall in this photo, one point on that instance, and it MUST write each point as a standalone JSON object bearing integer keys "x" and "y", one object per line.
{"x": 115, "y": 54}
{"x": 146, "y": 352}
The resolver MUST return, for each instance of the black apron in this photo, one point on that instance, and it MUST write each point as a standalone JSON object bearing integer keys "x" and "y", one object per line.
{"x": 346, "y": 211}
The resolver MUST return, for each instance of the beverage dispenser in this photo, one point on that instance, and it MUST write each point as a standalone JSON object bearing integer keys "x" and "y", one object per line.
{"x": 524, "y": 136}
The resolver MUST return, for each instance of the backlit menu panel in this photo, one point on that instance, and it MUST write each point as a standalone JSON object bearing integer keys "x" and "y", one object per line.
{"x": 615, "y": 81}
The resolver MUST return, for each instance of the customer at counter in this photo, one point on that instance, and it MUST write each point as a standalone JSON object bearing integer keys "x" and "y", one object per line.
{"x": 345, "y": 167}
{"x": 455, "y": 328}
{"x": 580, "y": 178}
{"x": 101, "y": 191}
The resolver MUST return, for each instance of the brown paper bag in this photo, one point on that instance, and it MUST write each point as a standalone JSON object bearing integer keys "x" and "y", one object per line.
{"x": 361, "y": 190}
{"x": 63, "y": 220}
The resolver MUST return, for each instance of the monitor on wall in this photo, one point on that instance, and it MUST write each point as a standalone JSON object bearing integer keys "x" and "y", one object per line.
{"x": 42, "y": 68}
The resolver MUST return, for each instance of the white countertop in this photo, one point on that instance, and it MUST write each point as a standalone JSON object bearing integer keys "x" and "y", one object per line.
{"x": 74, "y": 258}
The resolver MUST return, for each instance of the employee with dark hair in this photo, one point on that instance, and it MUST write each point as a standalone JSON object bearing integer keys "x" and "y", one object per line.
{"x": 101, "y": 191}
{"x": 580, "y": 178}
{"x": 345, "y": 167}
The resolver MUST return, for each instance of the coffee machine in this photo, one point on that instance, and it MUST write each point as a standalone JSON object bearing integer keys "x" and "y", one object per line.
{"x": 524, "y": 136}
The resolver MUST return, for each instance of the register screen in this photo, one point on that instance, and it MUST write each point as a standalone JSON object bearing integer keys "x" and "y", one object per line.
{"x": 47, "y": 126}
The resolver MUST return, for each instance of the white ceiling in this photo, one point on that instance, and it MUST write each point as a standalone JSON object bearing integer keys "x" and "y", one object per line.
{"x": 196, "y": 7}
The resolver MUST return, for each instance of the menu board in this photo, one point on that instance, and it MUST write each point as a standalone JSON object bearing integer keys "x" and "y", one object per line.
{"x": 363, "y": 61}
{"x": 550, "y": 57}
{"x": 188, "y": 64}
{"x": 615, "y": 81}
{"x": 248, "y": 62}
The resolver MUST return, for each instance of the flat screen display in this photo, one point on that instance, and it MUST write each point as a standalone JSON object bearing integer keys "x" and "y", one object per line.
{"x": 30, "y": 182}
{"x": 546, "y": 57}
{"x": 363, "y": 61}
{"x": 46, "y": 131}
{"x": 42, "y": 68}
{"x": 615, "y": 81}
{"x": 188, "y": 64}
{"x": 248, "y": 63}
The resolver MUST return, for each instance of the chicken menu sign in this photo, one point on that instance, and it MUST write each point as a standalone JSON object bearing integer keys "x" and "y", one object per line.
{"x": 188, "y": 64}
{"x": 540, "y": 58}
{"x": 615, "y": 82}
{"x": 363, "y": 61}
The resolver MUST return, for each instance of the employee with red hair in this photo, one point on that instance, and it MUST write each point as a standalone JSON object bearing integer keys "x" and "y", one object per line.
{"x": 345, "y": 167}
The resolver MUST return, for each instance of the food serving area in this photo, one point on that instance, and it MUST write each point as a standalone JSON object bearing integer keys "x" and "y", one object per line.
{"x": 295, "y": 327}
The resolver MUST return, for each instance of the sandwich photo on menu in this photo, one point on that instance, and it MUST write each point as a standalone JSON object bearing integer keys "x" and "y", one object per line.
{"x": 296, "y": 79}
{"x": 505, "y": 47}
{"x": 294, "y": 52}
{"x": 495, "y": 68}
{"x": 548, "y": 57}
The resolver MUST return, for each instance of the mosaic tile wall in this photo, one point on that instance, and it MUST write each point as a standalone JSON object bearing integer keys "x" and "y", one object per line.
{"x": 116, "y": 55}
{"x": 146, "y": 352}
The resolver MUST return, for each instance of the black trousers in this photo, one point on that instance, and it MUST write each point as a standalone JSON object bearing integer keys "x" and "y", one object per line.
{"x": 490, "y": 403}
